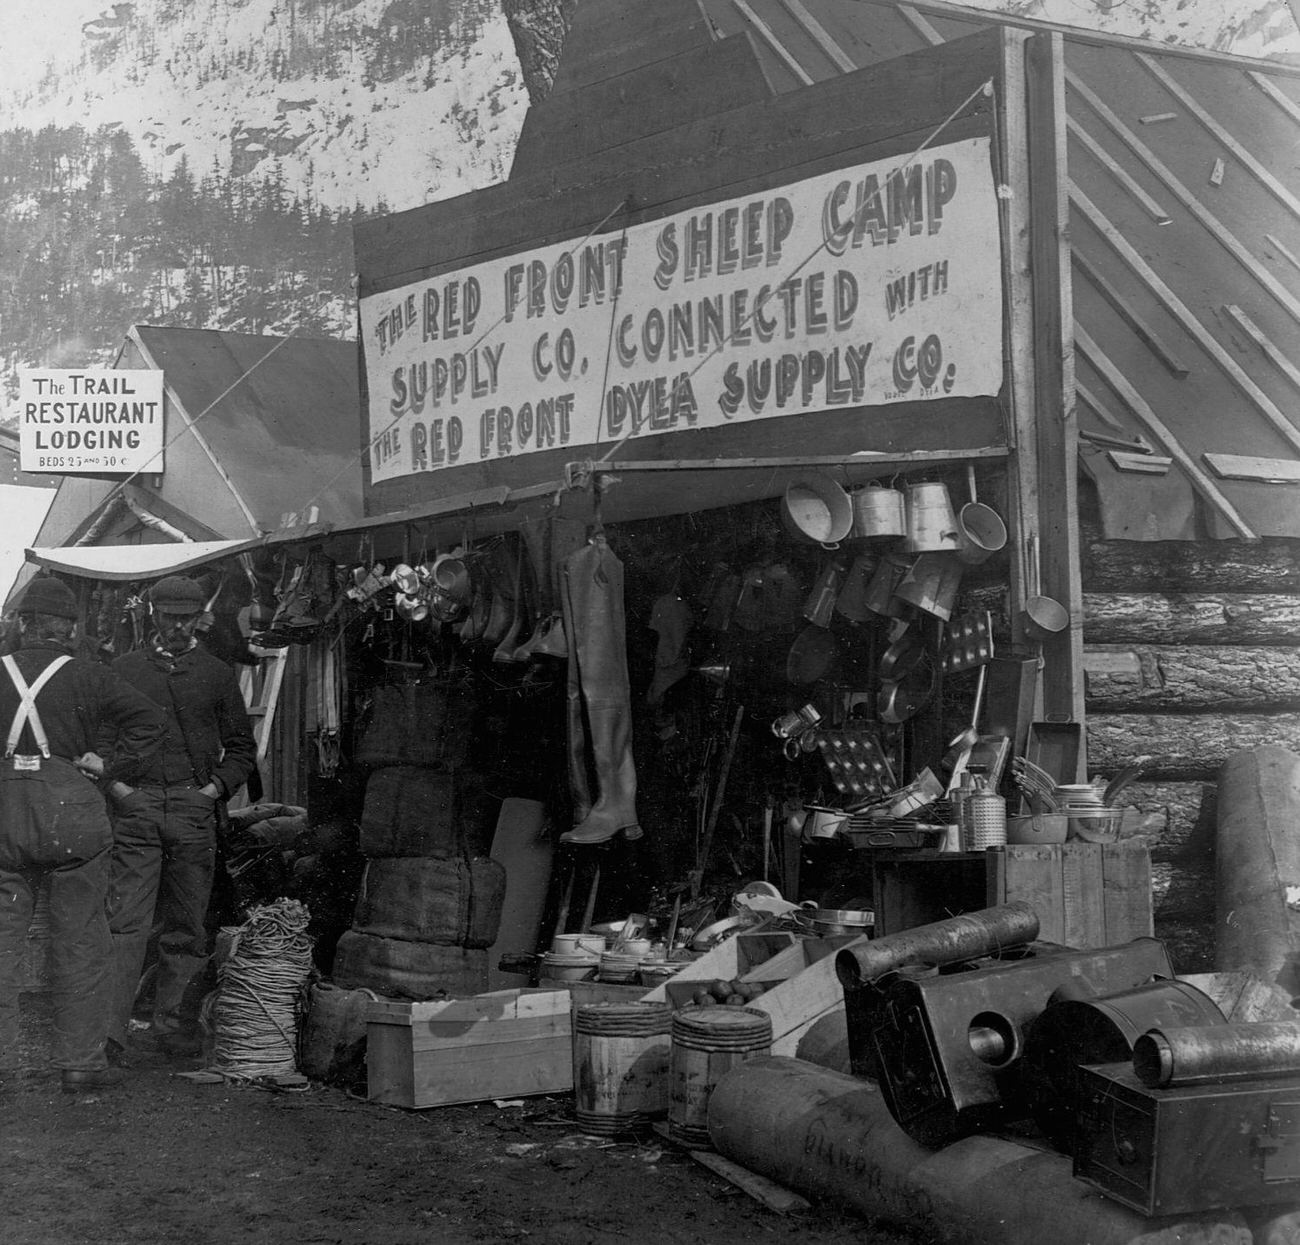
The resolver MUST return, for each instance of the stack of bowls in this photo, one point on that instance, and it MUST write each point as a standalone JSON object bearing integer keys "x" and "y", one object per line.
{"x": 573, "y": 957}
{"x": 620, "y": 966}
{"x": 1089, "y": 817}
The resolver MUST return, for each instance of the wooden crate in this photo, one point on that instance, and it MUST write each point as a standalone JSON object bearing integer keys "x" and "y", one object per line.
{"x": 733, "y": 957}
{"x": 1086, "y": 894}
{"x": 506, "y": 1044}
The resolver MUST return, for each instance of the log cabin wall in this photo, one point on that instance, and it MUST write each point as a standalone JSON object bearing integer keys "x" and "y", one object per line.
{"x": 1191, "y": 653}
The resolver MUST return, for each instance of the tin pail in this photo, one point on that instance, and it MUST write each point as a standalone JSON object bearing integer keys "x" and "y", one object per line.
{"x": 816, "y": 508}
{"x": 980, "y": 532}
{"x": 931, "y": 584}
{"x": 879, "y": 597}
{"x": 852, "y": 600}
{"x": 878, "y": 511}
{"x": 621, "y": 1054}
{"x": 931, "y": 522}
{"x": 819, "y": 608}
{"x": 707, "y": 1043}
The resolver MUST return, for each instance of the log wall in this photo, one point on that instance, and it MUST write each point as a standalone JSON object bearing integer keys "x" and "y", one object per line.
{"x": 1191, "y": 653}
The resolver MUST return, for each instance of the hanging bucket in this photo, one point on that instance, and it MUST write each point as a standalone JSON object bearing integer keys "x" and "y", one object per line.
{"x": 878, "y": 511}
{"x": 931, "y": 584}
{"x": 621, "y": 1054}
{"x": 931, "y": 522}
{"x": 819, "y": 608}
{"x": 707, "y": 1042}
{"x": 817, "y": 509}
{"x": 879, "y": 597}
{"x": 852, "y": 599}
{"x": 980, "y": 533}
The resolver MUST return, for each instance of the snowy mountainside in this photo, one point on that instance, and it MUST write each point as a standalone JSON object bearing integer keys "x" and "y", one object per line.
{"x": 345, "y": 102}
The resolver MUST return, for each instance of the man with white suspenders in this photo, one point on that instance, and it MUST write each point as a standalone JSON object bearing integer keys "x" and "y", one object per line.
{"x": 54, "y": 826}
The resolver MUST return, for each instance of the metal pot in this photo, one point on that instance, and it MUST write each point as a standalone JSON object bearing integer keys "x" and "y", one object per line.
{"x": 829, "y": 922}
{"x": 817, "y": 509}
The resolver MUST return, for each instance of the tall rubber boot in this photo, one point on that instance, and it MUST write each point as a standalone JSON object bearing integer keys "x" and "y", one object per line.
{"x": 575, "y": 726}
{"x": 598, "y": 647}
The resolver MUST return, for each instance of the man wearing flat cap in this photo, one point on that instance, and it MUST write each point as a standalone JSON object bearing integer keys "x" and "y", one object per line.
{"x": 54, "y": 828}
{"x": 165, "y": 823}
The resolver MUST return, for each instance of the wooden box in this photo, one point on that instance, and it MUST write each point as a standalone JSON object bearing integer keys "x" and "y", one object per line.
{"x": 733, "y": 957}
{"x": 505, "y": 1044}
{"x": 1086, "y": 894}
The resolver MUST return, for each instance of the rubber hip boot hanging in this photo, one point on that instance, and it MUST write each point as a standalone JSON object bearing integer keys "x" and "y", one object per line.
{"x": 593, "y": 579}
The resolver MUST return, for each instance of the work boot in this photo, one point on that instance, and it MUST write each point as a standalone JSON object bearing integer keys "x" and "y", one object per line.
{"x": 77, "y": 1081}
{"x": 598, "y": 656}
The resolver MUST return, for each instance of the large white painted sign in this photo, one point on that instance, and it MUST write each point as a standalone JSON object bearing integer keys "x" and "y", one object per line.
{"x": 93, "y": 422}
{"x": 870, "y": 285}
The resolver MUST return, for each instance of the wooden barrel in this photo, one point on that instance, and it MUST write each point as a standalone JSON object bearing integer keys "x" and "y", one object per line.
{"x": 620, "y": 1064}
{"x": 707, "y": 1043}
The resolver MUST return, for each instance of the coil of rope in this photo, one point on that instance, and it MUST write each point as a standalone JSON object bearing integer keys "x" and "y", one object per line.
{"x": 255, "y": 1009}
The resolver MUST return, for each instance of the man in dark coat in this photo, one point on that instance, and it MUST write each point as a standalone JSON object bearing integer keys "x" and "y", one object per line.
{"x": 165, "y": 824}
{"x": 54, "y": 828}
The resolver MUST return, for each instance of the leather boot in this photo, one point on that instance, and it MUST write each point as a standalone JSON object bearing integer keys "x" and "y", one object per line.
{"x": 575, "y": 727}
{"x": 598, "y": 651}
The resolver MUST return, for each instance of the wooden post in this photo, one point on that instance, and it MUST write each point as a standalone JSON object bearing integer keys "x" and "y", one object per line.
{"x": 1056, "y": 440}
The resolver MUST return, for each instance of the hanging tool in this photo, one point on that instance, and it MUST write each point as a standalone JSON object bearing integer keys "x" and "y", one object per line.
{"x": 702, "y": 860}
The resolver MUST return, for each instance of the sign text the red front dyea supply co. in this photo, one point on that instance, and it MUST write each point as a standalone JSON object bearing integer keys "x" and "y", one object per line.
{"x": 104, "y": 421}
{"x": 874, "y": 284}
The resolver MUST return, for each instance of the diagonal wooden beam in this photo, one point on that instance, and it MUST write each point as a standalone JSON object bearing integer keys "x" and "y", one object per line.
{"x": 1216, "y": 228}
{"x": 1183, "y": 314}
{"x": 921, "y": 25}
{"x": 1129, "y": 314}
{"x": 1117, "y": 171}
{"x": 1280, "y": 98}
{"x": 1153, "y": 424}
{"x": 1239, "y": 153}
{"x": 768, "y": 36}
{"x": 820, "y": 36}
{"x": 1267, "y": 346}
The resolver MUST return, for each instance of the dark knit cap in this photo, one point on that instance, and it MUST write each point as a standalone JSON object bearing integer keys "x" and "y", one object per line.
{"x": 177, "y": 595}
{"x": 47, "y": 595}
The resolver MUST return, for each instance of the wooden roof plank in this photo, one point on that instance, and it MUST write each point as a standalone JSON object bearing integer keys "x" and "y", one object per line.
{"x": 1221, "y": 135}
{"x": 1184, "y": 315}
{"x": 920, "y": 24}
{"x": 820, "y": 35}
{"x": 1278, "y": 96}
{"x": 1247, "y": 467}
{"x": 1149, "y": 337}
{"x": 766, "y": 33}
{"x": 1118, "y": 172}
{"x": 1160, "y": 431}
{"x": 1266, "y": 345}
{"x": 1211, "y": 223}
{"x": 1282, "y": 250}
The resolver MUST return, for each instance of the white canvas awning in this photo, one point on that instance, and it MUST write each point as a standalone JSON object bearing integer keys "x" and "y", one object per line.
{"x": 136, "y": 561}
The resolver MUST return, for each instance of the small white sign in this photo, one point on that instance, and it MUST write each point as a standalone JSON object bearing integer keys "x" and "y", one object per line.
{"x": 101, "y": 421}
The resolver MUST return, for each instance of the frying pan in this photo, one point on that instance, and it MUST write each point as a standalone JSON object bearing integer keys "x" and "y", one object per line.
{"x": 898, "y": 701}
{"x": 812, "y": 654}
{"x": 902, "y": 657}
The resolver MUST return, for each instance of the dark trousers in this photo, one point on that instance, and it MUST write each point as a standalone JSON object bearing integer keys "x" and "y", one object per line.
{"x": 164, "y": 858}
{"x": 54, "y": 830}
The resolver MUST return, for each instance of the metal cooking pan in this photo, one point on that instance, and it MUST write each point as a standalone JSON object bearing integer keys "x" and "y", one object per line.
{"x": 901, "y": 657}
{"x": 897, "y": 702}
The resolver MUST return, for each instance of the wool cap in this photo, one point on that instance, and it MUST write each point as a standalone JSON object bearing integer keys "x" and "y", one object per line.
{"x": 177, "y": 595}
{"x": 47, "y": 595}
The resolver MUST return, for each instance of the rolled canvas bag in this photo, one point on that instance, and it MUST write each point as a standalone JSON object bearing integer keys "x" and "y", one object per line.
{"x": 409, "y": 970}
{"x": 454, "y": 902}
{"x": 410, "y": 811}
{"x": 426, "y": 724}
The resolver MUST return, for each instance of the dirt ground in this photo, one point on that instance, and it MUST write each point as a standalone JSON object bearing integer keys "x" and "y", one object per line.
{"x": 164, "y": 1161}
